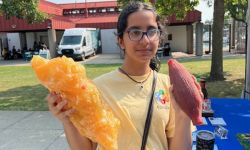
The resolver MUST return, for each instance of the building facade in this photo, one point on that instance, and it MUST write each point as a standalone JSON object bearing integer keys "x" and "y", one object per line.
{"x": 17, "y": 32}
{"x": 102, "y": 15}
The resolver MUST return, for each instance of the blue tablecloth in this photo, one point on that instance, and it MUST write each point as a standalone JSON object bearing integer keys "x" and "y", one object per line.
{"x": 236, "y": 113}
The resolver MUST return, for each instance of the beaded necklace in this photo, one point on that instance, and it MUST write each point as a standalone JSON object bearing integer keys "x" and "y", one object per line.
{"x": 139, "y": 82}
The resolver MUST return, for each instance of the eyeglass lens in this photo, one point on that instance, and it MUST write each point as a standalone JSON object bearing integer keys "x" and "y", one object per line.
{"x": 136, "y": 35}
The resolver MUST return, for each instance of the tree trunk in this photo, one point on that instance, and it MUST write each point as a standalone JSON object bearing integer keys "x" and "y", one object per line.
{"x": 216, "y": 72}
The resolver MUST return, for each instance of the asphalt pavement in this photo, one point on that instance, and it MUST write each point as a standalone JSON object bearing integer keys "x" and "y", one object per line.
{"x": 31, "y": 130}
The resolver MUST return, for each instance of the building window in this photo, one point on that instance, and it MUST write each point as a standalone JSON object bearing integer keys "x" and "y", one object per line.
{"x": 92, "y": 11}
{"x": 103, "y": 10}
{"x": 110, "y": 9}
{"x": 75, "y": 12}
{"x": 81, "y": 11}
{"x": 99, "y": 10}
{"x": 66, "y": 12}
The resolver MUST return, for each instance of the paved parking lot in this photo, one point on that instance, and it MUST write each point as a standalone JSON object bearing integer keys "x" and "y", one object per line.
{"x": 115, "y": 58}
{"x": 97, "y": 59}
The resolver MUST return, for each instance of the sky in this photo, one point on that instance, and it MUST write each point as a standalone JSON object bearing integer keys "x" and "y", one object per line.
{"x": 207, "y": 12}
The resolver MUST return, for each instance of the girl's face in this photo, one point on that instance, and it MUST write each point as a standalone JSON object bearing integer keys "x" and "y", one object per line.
{"x": 140, "y": 48}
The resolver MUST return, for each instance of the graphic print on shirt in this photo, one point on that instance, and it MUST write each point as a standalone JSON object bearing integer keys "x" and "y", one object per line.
{"x": 162, "y": 99}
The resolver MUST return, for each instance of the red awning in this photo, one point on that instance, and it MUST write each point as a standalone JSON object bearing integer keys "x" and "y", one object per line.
{"x": 61, "y": 23}
{"x": 50, "y": 8}
{"x": 98, "y": 19}
{"x": 58, "y": 23}
{"x": 102, "y": 22}
{"x": 110, "y": 25}
{"x": 14, "y": 25}
{"x": 191, "y": 17}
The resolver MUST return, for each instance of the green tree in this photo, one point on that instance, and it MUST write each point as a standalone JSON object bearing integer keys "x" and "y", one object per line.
{"x": 169, "y": 7}
{"x": 22, "y": 9}
{"x": 236, "y": 9}
{"x": 216, "y": 72}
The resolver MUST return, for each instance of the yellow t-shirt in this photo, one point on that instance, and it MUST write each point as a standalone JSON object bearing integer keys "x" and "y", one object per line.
{"x": 130, "y": 101}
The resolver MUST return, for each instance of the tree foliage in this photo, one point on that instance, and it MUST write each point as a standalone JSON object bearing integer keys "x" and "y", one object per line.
{"x": 237, "y": 9}
{"x": 169, "y": 7}
{"x": 22, "y": 9}
{"x": 177, "y": 7}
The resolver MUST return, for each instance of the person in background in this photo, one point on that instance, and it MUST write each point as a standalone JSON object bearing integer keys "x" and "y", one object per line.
{"x": 35, "y": 46}
{"x": 127, "y": 90}
{"x": 44, "y": 51}
{"x": 43, "y": 46}
{"x": 13, "y": 53}
{"x": 6, "y": 54}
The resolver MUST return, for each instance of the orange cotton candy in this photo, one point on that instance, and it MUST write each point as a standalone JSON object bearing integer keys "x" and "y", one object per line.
{"x": 92, "y": 118}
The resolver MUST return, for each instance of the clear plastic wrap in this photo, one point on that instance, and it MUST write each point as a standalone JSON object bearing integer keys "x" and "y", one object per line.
{"x": 92, "y": 118}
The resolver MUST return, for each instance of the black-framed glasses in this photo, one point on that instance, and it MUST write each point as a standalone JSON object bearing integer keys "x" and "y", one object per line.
{"x": 137, "y": 34}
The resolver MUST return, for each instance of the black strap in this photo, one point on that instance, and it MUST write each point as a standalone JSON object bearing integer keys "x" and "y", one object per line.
{"x": 149, "y": 115}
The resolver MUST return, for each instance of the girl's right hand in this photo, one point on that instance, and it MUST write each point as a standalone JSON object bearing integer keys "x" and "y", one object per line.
{"x": 57, "y": 107}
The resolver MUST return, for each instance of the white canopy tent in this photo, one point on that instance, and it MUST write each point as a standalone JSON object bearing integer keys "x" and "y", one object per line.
{"x": 247, "y": 86}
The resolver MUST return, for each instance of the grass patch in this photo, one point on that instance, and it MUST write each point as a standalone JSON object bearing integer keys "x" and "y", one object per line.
{"x": 20, "y": 90}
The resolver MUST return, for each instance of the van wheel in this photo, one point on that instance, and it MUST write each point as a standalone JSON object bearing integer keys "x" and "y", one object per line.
{"x": 83, "y": 57}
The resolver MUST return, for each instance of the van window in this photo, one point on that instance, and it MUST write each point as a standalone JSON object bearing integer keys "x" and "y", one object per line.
{"x": 84, "y": 42}
{"x": 71, "y": 40}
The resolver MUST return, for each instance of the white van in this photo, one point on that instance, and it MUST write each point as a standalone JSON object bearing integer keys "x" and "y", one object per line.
{"x": 79, "y": 43}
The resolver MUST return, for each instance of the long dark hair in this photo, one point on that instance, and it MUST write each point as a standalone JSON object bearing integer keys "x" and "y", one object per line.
{"x": 122, "y": 23}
